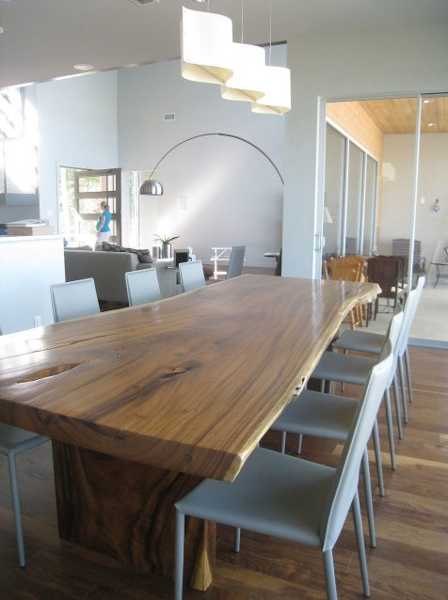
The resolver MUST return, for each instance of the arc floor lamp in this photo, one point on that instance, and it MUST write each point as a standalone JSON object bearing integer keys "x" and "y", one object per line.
{"x": 153, "y": 187}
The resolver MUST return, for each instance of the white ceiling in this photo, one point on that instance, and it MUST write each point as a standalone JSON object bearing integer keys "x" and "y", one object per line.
{"x": 45, "y": 38}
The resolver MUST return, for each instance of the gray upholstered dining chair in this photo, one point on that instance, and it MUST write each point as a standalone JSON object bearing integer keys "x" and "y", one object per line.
{"x": 15, "y": 441}
{"x": 355, "y": 370}
{"x": 291, "y": 498}
{"x": 329, "y": 416}
{"x": 74, "y": 299}
{"x": 191, "y": 275}
{"x": 236, "y": 261}
{"x": 142, "y": 286}
{"x": 365, "y": 341}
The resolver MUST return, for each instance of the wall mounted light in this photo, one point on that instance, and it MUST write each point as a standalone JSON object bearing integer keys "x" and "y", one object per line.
{"x": 435, "y": 207}
{"x": 388, "y": 172}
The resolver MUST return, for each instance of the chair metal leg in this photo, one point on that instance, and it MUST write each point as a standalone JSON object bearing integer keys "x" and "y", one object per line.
{"x": 403, "y": 388}
{"x": 369, "y": 500}
{"x": 330, "y": 578}
{"x": 357, "y": 520}
{"x": 407, "y": 364}
{"x": 179, "y": 570}
{"x": 390, "y": 430}
{"x": 379, "y": 460}
{"x": 237, "y": 544}
{"x": 398, "y": 408}
{"x": 15, "y": 496}
{"x": 283, "y": 442}
{"x": 300, "y": 444}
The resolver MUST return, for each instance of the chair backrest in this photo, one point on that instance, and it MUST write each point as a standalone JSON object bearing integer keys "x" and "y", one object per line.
{"x": 341, "y": 270}
{"x": 142, "y": 286}
{"x": 74, "y": 299}
{"x": 410, "y": 310}
{"x": 440, "y": 253}
{"x": 191, "y": 275}
{"x": 394, "y": 333}
{"x": 347, "y": 475}
{"x": 387, "y": 271}
{"x": 348, "y": 472}
{"x": 236, "y": 261}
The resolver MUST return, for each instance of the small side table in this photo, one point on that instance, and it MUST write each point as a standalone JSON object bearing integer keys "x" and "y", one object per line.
{"x": 278, "y": 260}
{"x": 439, "y": 266}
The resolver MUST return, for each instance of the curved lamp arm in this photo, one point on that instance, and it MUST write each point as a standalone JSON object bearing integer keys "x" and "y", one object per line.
{"x": 151, "y": 187}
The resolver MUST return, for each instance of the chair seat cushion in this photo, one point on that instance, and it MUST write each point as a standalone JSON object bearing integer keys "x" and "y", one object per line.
{"x": 340, "y": 367}
{"x": 14, "y": 438}
{"x": 319, "y": 415}
{"x": 274, "y": 494}
{"x": 361, "y": 341}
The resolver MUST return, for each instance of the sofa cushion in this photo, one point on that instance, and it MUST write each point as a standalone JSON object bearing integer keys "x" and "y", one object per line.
{"x": 143, "y": 255}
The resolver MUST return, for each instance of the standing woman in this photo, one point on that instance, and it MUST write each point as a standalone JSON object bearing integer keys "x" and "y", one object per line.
{"x": 103, "y": 224}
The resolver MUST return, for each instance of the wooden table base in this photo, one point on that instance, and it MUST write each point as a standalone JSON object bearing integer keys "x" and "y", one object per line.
{"x": 125, "y": 510}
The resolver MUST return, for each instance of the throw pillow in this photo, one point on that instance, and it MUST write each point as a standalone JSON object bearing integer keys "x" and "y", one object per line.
{"x": 144, "y": 256}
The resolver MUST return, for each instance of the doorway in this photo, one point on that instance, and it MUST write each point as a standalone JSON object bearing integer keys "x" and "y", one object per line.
{"x": 386, "y": 193}
{"x": 81, "y": 194}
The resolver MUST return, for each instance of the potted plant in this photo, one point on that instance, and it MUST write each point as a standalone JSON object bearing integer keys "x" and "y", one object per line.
{"x": 167, "y": 246}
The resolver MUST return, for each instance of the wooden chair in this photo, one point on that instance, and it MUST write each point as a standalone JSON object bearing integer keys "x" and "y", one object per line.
{"x": 387, "y": 272}
{"x": 361, "y": 263}
{"x": 340, "y": 269}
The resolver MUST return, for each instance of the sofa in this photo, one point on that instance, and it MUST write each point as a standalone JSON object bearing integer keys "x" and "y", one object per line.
{"x": 106, "y": 268}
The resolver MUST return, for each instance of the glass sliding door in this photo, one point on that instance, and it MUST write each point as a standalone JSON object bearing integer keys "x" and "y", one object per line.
{"x": 355, "y": 195}
{"x": 351, "y": 188}
{"x": 370, "y": 207}
{"x": 334, "y": 189}
{"x": 430, "y": 240}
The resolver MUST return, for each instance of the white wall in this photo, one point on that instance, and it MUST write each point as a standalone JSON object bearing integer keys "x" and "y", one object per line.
{"x": 218, "y": 191}
{"x": 348, "y": 65}
{"x": 397, "y": 195}
{"x": 77, "y": 128}
{"x": 28, "y": 267}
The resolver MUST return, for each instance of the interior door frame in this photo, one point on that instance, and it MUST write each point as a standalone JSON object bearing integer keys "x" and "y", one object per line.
{"x": 115, "y": 172}
{"x": 321, "y": 158}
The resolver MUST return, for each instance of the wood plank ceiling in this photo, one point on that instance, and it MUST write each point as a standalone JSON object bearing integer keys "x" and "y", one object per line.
{"x": 399, "y": 115}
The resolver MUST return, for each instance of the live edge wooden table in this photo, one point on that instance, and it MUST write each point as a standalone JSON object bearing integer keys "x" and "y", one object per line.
{"x": 144, "y": 403}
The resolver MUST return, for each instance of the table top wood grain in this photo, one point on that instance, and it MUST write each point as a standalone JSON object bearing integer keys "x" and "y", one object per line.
{"x": 188, "y": 384}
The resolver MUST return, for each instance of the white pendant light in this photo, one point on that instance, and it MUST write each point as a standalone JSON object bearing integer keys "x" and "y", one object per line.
{"x": 206, "y": 40}
{"x": 247, "y": 81}
{"x": 277, "y": 98}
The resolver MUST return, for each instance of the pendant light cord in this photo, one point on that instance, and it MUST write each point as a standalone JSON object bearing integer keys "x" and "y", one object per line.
{"x": 242, "y": 21}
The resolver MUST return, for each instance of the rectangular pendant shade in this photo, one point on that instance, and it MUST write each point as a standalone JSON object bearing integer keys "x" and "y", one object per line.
{"x": 277, "y": 98}
{"x": 247, "y": 82}
{"x": 206, "y": 40}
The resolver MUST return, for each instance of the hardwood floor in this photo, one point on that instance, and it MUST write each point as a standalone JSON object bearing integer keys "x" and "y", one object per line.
{"x": 412, "y": 523}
